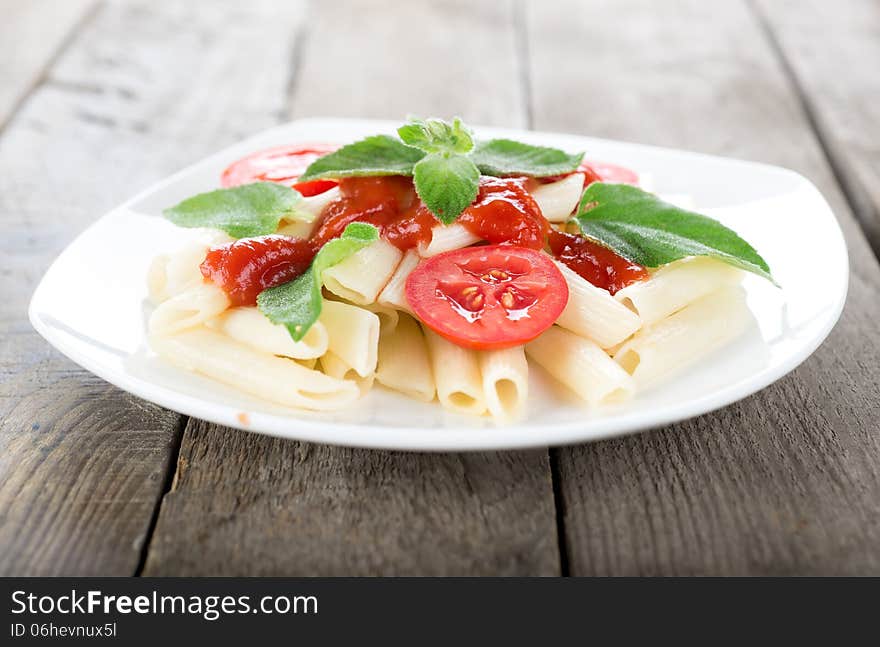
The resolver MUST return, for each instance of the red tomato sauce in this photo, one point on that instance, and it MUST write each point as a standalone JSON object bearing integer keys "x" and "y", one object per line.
{"x": 597, "y": 264}
{"x": 248, "y": 266}
{"x": 389, "y": 203}
{"x": 504, "y": 212}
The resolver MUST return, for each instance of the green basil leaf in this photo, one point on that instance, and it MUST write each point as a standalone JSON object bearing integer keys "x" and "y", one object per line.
{"x": 437, "y": 136}
{"x": 241, "y": 211}
{"x": 376, "y": 155}
{"x": 641, "y": 227}
{"x": 502, "y": 157}
{"x": 447, "y": 184}
{"x": 297, "y": 304}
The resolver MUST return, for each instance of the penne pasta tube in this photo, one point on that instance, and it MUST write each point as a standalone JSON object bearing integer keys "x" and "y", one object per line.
{"x": 404, "y": 364}
{"x": 505, "y": 376}
{"x": 593, "y": 313}
{"x": 659, "y": 351}
{"x": 456, "y": 375}
{"x": 674, "y": 286}
{"x": 336, "y": 367}
{"x": 394, "y": 294}
{"x": 296, "y": 229}
{"x": 445, "y": 238}
{"x": 265, "y": 376}
{"x": 353, "y": 334}
{"x": 361, "y": 277}
{"x": 309, "y": 208}
{"x": 191, "y": 308}
{"x": 171, "y": 274}
{"x": 157, "y": 279}
{"x": 388, "y": 317}
{"x": 582, "y": 366}
{"x": 558, "y": 200}
{"x": 251, "y": 327}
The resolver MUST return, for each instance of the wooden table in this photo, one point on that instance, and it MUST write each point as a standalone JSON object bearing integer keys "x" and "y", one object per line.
{"x": 102, "y": 99}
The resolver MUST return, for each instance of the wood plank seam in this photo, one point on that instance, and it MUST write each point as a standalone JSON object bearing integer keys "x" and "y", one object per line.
{"x": 168, "y": 484}
{"x": 784, "y": 482}
{"x": 559, "y": 506}
{"x": 173, "y": 469}
{"x": 521, "y": 34}
{"x": 43, "y": 76}
{"x": 852, "y": 189}
{"x": 330, "y": 510}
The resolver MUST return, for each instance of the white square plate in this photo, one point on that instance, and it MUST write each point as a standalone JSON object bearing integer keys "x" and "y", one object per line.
{"x": 91, "y": 305}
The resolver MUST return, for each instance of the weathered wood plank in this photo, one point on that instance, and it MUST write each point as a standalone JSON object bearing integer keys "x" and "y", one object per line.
{"x": 244, "y": 504}
{"x": 788, "y": 481}
{"x": 134, "y": 97}
{"x": 833, "y": 50}
{"x": 247, "y": 504}
{"x": 31, "y": 34}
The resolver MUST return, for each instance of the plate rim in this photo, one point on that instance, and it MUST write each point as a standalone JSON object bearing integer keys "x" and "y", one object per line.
{"x": 412, "y": 438}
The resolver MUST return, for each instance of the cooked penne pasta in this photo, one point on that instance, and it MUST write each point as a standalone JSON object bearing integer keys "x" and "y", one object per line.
{"x": 311, "y": 207}
{"x": 361, "y": 277}
{"x": 445, "y": 238}
{"x": 171, "y": 274}
{"x": 659, "y": 351}
{"x": 191, "y": 308}
{"x": 296, "y": 229}
{"x": 582, "y": 366}
{"x": 276, "y": 379}
{"x": 592, "y": 312}
{"x": 394, "y": 294}
{"x": 404, "y": 364}
{"x": 456, "y": 375}
{"x": 558, "y": 200}
{"x": 505, "y": 376}
{"x": 388, "y": 317}
{"x": 157, "y": 279}
{"x": 251, "y": 327}
{"x": 353, "y": 335}
{"x": 674, "y": 286}
{"x": 335, "y": 366}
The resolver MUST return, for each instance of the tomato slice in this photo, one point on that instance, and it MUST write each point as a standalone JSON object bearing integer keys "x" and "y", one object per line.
{"x": 488, "y": 297}
{"x": 282, "y": 164}
{"x": 595, "y": 171}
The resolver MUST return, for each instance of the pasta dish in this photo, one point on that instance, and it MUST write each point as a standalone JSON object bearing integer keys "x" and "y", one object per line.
{"x": 442, "y": 266}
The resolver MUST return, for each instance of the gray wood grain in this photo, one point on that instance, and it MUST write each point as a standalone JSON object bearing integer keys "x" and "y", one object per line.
{"x": 131, "y": 99}
{"x": 244, "y": 504}
{"x": 833, "y": 51}
{"x": 31, "y": 34}
{"x": 787, "y": 481}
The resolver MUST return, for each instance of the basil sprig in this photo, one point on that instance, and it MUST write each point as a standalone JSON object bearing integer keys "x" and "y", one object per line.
{"x": 241, "y": 211}
{"x": 444, "y": 160}
{"x": 297, "y": 304}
